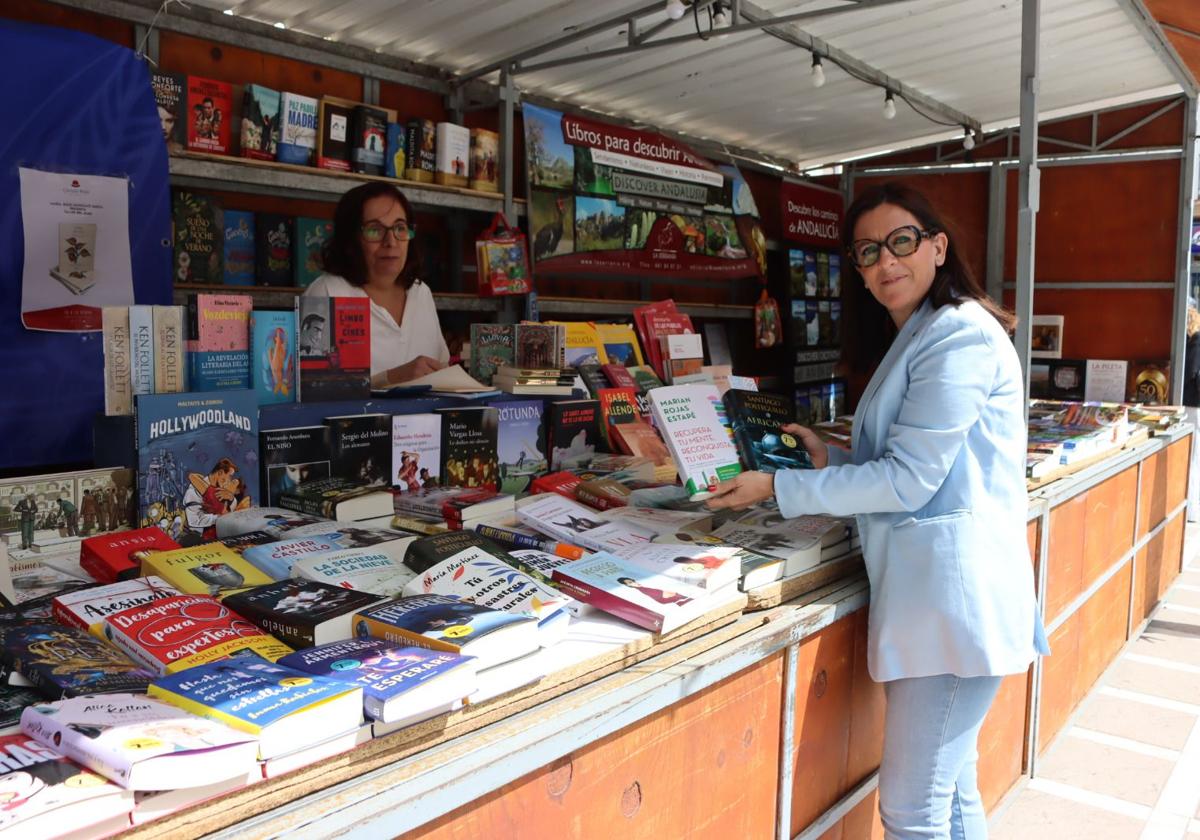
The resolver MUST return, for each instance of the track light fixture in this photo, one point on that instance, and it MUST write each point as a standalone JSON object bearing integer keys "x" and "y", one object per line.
{"x": 675, "y": 9}
{"x": 889, "y": 107}
{"x": 818, "y": 72}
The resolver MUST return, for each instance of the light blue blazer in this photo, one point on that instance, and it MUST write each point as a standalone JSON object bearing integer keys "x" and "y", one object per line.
{"x": 936, "y": 477}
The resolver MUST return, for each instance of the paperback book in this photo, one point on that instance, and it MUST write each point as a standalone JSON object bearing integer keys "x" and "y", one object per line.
{"x": 197, "y": 222}
{"x": 339, "y": 499}
{"x": 452, "y": 153}
{"x": 60, "y": 661}
{"x": 520, "y": 444}
{"x": 369, "y": 129}
{"x": 573, "y": 433}
{"x": 87, "y": 608}
{"x": 758, "y": 419}
{"x": 617, "y": 406}
{"x": 360, "y": 448}
{"x": 276, "y": 559}
{"x": 210, "y": 115}
{"x": 260, "y": 122}
{"x": 310, "y": 237}
{"x": 335, "y": 348}
{"x": 291, "y": 457}
{"x": 469, "y": 438}
{"x": 118, "y": 556}
{"x": 416, "y": 452}
{"x": 210, "y": 569}
{"x": 699, "y": 444}
{"x": 170, "y": 372}
{"x": 570, "y": 522}
{"x": 273, "y": 355}
{"x": 302, "y": 613}
{"x": 455, "y": 506}
{"x": 118, "y": 381}
{"x": 540, "y": 346}
{"x": 273, "y": 234}
{"x": 493, "y": 346}
{"x": 798, "y": 540}
{"x": 218, "y": 341}
{"x": 333, "y": 138}
{"x": 171, "y": 100}
{"x": 238, "y": 254}
{"x": 298, "y": 135}
{"x": 141, "y": 332}
{"x": 711, "y": 568}
{"x": 363, "y": 569}
{"x": 421, "y": 144}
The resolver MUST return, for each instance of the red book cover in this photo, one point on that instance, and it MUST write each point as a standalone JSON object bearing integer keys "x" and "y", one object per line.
{"x": 562, "y": 483}
{"x": 619, "y": 376}
{"x": 209, "y": 115}
{"x": 609, "y": 603}
{"x": 641, "y": 321}
{"x": 617, "y": 405}
{"x": 112, "y": 557}
{"x": 335, "y": 347}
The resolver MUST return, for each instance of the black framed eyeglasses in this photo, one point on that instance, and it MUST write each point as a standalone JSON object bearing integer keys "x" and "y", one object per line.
{"x": 375, "y": 231}
{"x": 902, "y": 242}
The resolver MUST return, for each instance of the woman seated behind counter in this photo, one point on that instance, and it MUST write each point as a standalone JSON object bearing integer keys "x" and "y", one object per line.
{"x": 373, "y": 254}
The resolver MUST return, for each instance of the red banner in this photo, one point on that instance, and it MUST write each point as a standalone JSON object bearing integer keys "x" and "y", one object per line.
{"x": 811, "y": 215}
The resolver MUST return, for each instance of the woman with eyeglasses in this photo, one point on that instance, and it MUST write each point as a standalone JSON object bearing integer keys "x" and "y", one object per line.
{"x": 936, "y": 477}
{"x": 373, "y": 253}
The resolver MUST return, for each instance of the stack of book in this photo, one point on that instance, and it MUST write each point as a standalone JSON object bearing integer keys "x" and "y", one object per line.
{"x": 535, "y": 381}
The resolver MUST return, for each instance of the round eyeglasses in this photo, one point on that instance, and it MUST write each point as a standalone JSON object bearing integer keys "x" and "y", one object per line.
{"x": 374, "y": 231}
{"x": 902, "y": 242}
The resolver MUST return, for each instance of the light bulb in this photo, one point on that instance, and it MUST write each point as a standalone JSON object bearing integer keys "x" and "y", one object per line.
{"x": 675, "y": 9}
{"x": 818, "y": 72}
{"x": 889, "y": 107}
{"x": 721, "y": 18}
{"x": 968, "y": 139}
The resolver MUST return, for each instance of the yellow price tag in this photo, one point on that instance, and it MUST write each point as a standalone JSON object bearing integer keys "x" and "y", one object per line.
{"x": 143, "y": 744}
{"x": 295, "y": 682}
{"x": 788, "y": 440}
{"x": 456, "y": 631}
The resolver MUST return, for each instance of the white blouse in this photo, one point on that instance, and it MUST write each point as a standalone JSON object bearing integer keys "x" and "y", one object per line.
{"x": 394, "y": 344}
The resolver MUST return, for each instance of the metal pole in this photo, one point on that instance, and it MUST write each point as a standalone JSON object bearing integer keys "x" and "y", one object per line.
{"x": 508, "y": 94}
{"x": 1183, "y": 249}
{"x": 997, "y": 212}
{"x": 1028, "y": 181}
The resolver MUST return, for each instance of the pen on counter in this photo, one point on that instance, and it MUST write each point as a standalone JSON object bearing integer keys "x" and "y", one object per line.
{"x": 519, "y": 540}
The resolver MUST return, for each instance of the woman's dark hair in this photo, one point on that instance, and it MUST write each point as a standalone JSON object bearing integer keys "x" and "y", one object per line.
{"x": 863, "y": 317}
{"x": 343, "y": 254}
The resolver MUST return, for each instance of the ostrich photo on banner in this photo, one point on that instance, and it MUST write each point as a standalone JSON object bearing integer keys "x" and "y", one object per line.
{"x": 605, "y": 199}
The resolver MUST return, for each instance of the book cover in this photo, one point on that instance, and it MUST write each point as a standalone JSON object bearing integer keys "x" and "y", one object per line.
{"x": 239, "y": 248}
{"x": 298, "y": 129}
{"x": 170, "y": 99}
{"x": 421, "y": 145}
{"x": 485, "y": 160}
{"x": 360, "y": 448}
{"x": 661, "y": 322}
{"x": 273, "y": 234}
{"x": 645, "y": 377}
{"x": 568, "y": 521}
{"x": 338, "y": 498}
{"x": 797, "y": 540}
{"x": 87, "y": 608}
{"x": 64, "y": 661}
{"x": 333, "y": 139}
{"x": 275, "y": 558}
{"x": 619, "y": 344}
{"x": 369, "y": 129}
{"x": 301, "y": 613}
{"x": 13, "y": 701}
{"x": 708, "y": 567}
{"x": 602, "y": 493}
{"x": 291, "y": 457}
{"x": 310, "y": 237}
{"x": 364, "y": 569}
{"x": 273, "y": 355}
{"x": 581, "y": 343}
{"x": 593, "y": 378}
{"x": 469, "y": 438}
{"x": 638, "y": 438}
{"x": 452, "y": 153}
{"x": 699, "y": 444}
{"x": 540, "y": 346}
{"x": 574, "y": 432}
{"x": 758, "y": 419}
{"x": 617, "y": 406}
{"x": 492, "y": 346}
{"x": 197, "y": 222}
{"x": 247, "y": 540}
{"x": 118, "y": 379}
{"x": 183, "y": 631}
{"x": 416, "y": 451}
{"x": 125, "y": 737}
{"x": 260, "y": 122}
{"x": 618, "y": 376}
{"x": 335, "y": 348}
{"x": 520, "y": 443}
{"x": 197, "y": 460}
{"x": 274, "y": 520}
{"x": 118, "y": 556}
{"x": 209, "y": 569}
{"x": 170, "y": 374}
{"x": 210, "y": 114}
{"x": 218, "y": 341}
{"x": 395, "y": 161}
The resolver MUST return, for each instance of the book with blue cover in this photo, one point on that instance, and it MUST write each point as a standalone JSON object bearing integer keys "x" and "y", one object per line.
{"x": 520, "y": 444}
{"x": 277, "y": 558}
{"x": 398, "y": 682}
{"x": 273, "y": 355}
{"x": 239, "y": 248}
{"x": 68, "y": 662}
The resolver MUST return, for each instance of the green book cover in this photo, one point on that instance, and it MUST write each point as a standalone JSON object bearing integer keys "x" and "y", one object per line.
{"x": 310, "y": 236}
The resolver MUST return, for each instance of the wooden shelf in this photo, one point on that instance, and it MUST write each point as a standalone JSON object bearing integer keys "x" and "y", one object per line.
{"x": 265, "y": 177}
{"x": 554, "y": 305}
{"x": 283, "y": 297}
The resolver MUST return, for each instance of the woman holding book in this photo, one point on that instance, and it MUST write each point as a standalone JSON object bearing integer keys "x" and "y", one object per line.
{"x": 936, "y": 476}
{"x": 373, "y": 254}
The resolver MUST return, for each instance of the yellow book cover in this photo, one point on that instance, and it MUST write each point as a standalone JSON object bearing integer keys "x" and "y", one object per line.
{"x": 391, "y": 633}
{"x": 619, "y": 345}
{"x": 582, "y": 343}
{"x": 209, "y": 569}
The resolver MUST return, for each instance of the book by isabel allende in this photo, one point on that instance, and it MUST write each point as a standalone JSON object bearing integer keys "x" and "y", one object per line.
{"x": 758, "y": 419}
{"x": 335, "y": 348}
{"x": 617, "y": 405}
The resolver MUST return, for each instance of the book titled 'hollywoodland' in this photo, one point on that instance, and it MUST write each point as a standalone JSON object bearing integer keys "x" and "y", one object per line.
{"x": 335, "y": 347}
{"x": 218, "y": 342}
{"x": 758, "y": 419}
{"x": 197, "y": 460}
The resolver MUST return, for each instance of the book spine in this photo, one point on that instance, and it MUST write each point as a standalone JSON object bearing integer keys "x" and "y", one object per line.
{"x": 133, "y": 650}
{"x": 118, "y": 384}
{"x": 392, "y": 633}
{"x": 75, "y": 746}
{"x": 303, "y": 504}
{"x": 170, "y": 374}
{"x": 596, "y": 500}
{"x": 599, "y": 598}
{"x": 65, "y": 616}
{"x": 141, "y": 337}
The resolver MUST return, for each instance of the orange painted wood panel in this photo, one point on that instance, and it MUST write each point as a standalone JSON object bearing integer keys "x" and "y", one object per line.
{"x": 1064, "y": 571}
{"x": 1149, "y": 576}
{"x": 824, "y": 682}
{"x": 1097, "y": 324}
{"x": 706, "y": 767}
{"x": 1058, "y": 681}
{"x": 1172, "y": 556}
{"x": 1154, "y": 493}
{"x": 1188, "y": 49}
{"x": 1031, "y": 535}
{"x": 867, "y": 707}
{"x": 1108, "y": 525}
{"x": 1002, "y": 739}
{"x": 1178, "y": 458}
{"x": 52, "y": 14}
{"x": 1165, "y": 130}
{"x": 861, "y": 823}
{"x": 1182, "y": 13}
{"x": 1103, "y": 630}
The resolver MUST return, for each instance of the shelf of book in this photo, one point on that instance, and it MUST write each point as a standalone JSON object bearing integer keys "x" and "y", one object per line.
{"x": 223, "y": 172}
{"x": 595, "y": 306}
{"x": 283, "y": 297}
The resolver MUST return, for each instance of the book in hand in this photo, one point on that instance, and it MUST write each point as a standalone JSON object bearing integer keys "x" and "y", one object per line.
{"x": 302, "y": 613}
{"x": 141, "y": 743}
{"x": 287, "y": 709}
{"x": 87, "y": 608}
{"x": 68, "y": 662}
{"x": 400, "y": 684}
{"x": 619, "y": 587}
{"x": 442, "y": 622}
{"x": 338, "y": 498}
{"x": 118, "y": 556}
{"x": 758, "y": 419}
{"x": 364, "y": 569}
{"x": 210, "y": 569}
{"x": 711, "y": 568}
{"x": 703, "y": 453}
{"x": 48, "y": 795}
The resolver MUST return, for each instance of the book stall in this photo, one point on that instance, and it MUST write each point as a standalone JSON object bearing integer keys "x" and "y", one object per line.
{"x": 249, "y": 586}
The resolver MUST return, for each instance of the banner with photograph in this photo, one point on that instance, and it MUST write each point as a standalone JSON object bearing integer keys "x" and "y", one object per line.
{"x": 605, "y": 199}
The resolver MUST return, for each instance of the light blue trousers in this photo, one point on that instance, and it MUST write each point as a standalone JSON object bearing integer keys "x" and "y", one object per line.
{"x": 927, "y": 783}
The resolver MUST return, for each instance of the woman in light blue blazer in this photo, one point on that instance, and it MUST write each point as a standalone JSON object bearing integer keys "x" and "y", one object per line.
{"x": 936, "y": 478}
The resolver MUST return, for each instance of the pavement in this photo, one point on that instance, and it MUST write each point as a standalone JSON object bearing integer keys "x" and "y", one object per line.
{"x": 1127, "y": 766}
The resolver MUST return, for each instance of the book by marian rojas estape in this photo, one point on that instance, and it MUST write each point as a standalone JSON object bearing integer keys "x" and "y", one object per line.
{"x": 197, "y": 460}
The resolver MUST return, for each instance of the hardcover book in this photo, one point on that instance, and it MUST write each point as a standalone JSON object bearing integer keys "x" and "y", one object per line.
{"x": 291, "y": 457}
{"x": 298, "y": 135}
{"x": 485, "y": 160}
{"x": 401, "y": 685}
{"x": 711, "y": 568}
{"x": 469, "y": 438}
{"x": 87, "y": 608}
{"x": 118, "y": 556}
{"x": 452, "y": 154}
{"x": 395, "y": 161}
{"x": 197, "y": 460}
{"x": 421, "y": 144}
{"x": 276, "y": 559}
{"x": 118, "y": 380}
{"x": 141, "y": 743}
{"x": 365, "y": 569}
{"x": 219, "y": 341}
{"x": 369, "y": 128}
{"x": 416, "y": 451}
{"x": 61, "y": 661}
{"x": 335, "y": 348}
{"x": 574, "y": 432}
{"x": 338, "y": 498}
{"x": 260, "y": 122}
{"x": 170, "y": 99}
{"x": 197, "y": 222}
{"x": 273, "y": 355}
{"x": 333, "y": 139}
{"x": 360, "y": 448}
{"x": 239, "y": 253}
{"x": 170, "y": 374}
{"x": 758, "y": 419}
{"x": 211, "y": 569}
{"x": 699, "y": 444}
{"x": 453, "y": 505}
{"x": 440, "y": 622}
{"x": 617, "y": 406}
{"x": 568, "y": 521}
{"x": 310, "y": 237}
{"x": 619, "y": 344}
{"x": 492, "y": 346}
{"x": 520, "y": 444}
{"x": 210, "y": 115}
{"x": 273, "y": 249}
{"x": 302, "y": 613}
{"x": 285, "y": 708}
{"x": 540, "y": 346}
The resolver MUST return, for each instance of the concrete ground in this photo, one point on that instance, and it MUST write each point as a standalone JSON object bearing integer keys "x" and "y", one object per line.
{"x": 1128, "y": 765}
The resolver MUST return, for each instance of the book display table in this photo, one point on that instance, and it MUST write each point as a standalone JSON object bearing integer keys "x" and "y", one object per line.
{"x": 756, "y": 724}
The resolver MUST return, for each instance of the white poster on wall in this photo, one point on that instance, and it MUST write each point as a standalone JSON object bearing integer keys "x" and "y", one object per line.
{"x": 76, "y": 249}
{"x": 1105, "y": 381}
